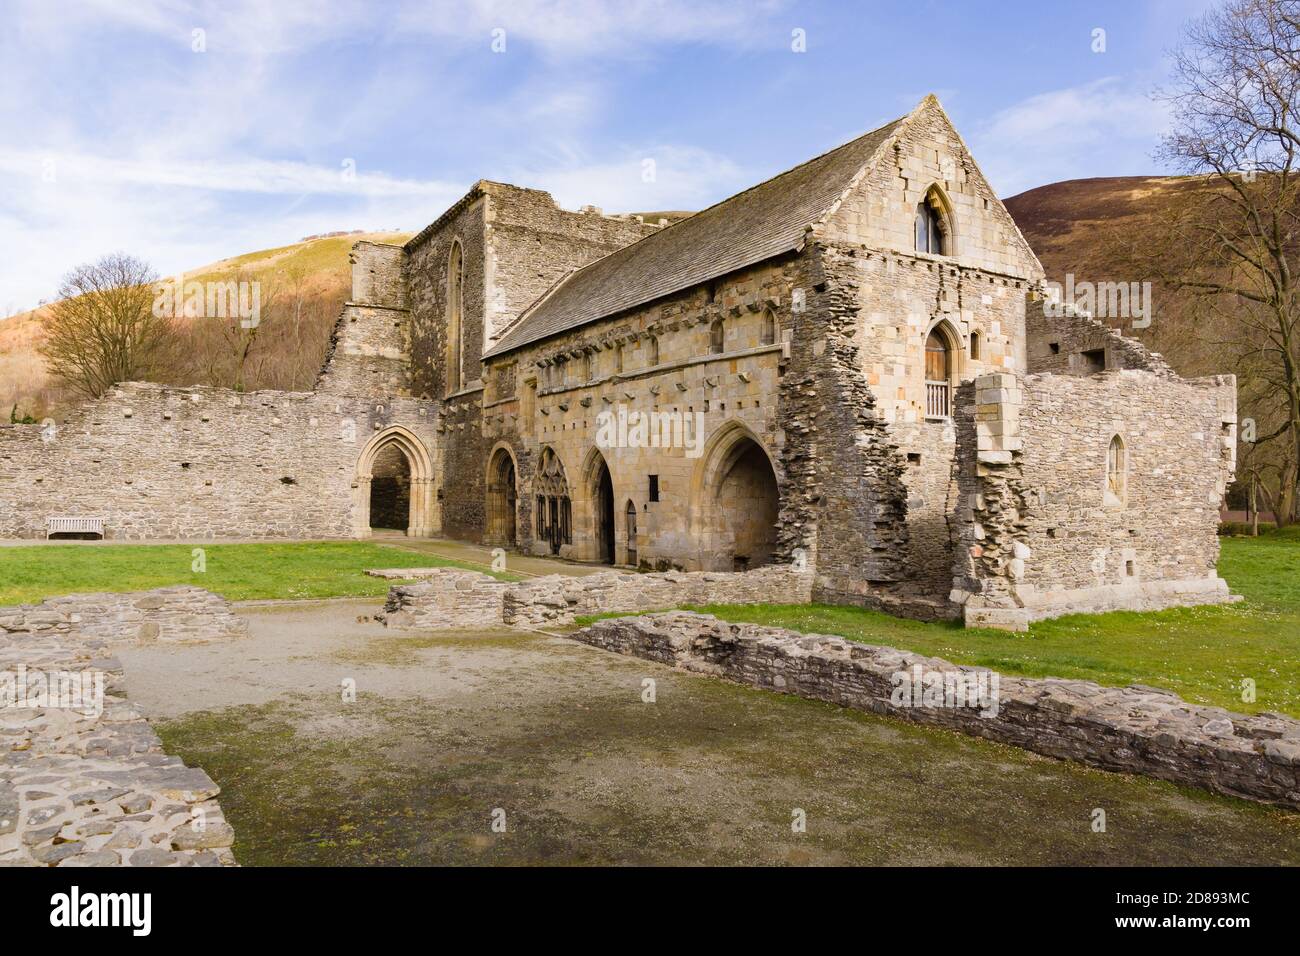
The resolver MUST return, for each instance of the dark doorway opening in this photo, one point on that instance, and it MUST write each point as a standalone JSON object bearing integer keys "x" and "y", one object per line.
{"x": 390, "y": 490}
{"x": 605, "y": 515}
{"x": 502, "y": 500}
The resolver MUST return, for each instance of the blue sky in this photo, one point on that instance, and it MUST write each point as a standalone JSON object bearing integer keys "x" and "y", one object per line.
{"x": 297, "y": 118}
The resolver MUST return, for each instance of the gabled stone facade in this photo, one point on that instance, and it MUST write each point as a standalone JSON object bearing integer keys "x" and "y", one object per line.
{"x": 847, "y": 367}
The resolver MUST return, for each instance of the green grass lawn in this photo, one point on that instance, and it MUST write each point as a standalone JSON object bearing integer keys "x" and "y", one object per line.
{"x": 240, "y": 572}
{"x": 1202, "y": 653}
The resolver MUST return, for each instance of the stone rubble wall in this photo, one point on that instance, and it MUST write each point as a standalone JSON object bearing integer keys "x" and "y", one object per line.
{"x": 450, "y": 598}
{"x": 446, "y": 599}
{"x": 180, "y": 614}
{"x": 197, "y": 463}
{"x": 1040, "y": 536}
{"x": 1135, "y": 729}
{"x": 1057, "y": 343}
{"x": 558, "y": 599}
{"x": 85, "y": 789}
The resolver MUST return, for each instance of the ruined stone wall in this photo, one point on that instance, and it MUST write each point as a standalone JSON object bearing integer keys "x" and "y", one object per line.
{"x": 898, "y": 299}
{"x": 532, "y": 243}
{"x": 176, "y": 615}
{"x": 91, "y": 785}
{"x": 1045, "y": 537}
{"x": 371, "y": 340}
{"x": 1132, "y": 729}
{"x": 1058, "y": 343}
{"x": 848, "y": 502}
{"x": 162, "y": 462}
{"x": 450, "y": 598}
{"x": 427, "y": 261}
{"x": 158, "y": 461}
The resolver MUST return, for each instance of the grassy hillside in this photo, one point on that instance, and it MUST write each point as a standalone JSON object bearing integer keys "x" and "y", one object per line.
{"x": 303, "y": 287}
{"x": 1079, "y": 225}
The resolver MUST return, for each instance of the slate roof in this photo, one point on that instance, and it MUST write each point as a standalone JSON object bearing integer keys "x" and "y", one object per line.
{"x": 763, "y": 221}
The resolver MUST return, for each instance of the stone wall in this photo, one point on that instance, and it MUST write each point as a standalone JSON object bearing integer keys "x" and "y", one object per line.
{"x": 446, "y": 599}
{"x": 1133, "y": 729}
{"x": 90, "y": 784}
{"x": 1059, "y": 343}
{"x": 1042, "y": 534}
{"x": 174, "y": 615}
{"x": 371, "y": 341}
{"x": 532, "y": 243}
{"x": 156, "y": 461}
{"x": 558, "y": 599}
{"x": 161, "y": 462}
{"x": 450, "y": 598}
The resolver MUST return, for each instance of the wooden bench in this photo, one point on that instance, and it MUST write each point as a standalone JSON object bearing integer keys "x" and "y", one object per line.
{"x": 70, "y": 525}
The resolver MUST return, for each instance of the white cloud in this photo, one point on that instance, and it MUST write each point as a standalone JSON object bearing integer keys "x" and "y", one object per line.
{"x": 1108, "y": 127}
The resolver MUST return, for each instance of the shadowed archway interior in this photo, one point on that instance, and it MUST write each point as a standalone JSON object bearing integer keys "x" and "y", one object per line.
{"x": 390, "y": 489}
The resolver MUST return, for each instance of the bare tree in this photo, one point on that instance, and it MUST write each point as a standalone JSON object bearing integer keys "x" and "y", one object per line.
{"x": 103, "y": 329}
{"x": 1232, "y": 247}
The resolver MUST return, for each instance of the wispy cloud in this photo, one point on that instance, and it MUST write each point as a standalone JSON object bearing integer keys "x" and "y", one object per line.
{"x": 1059, "y": 134}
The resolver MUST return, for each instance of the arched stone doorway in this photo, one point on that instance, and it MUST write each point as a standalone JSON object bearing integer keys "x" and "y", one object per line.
{"x": 415, "y": 469}
{"x": 502, "y": 499}
{"x": 735, "y": 502}
{"x": 604, "y": 513}
{"x": 630, "y": 530}
{"x": 390, "y": 490}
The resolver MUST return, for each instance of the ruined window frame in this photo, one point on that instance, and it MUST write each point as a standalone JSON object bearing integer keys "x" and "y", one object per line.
{"x": 455, "y": 352}
{"x": 1115, "y": 494}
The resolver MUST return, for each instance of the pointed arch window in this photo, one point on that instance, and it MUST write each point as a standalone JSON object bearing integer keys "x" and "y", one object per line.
{"x": 654, "y": 350}
{"x": 769, "y": 327}
{"x": 933, "y": 230}
{"x": 717, "y": 337}
{"x": 1116, "y": 473}
{"x": 455, "y": 351}
{"x": 554, "y": 509}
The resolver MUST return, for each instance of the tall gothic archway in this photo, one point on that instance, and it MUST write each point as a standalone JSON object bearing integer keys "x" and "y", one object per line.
{"x": 419, "y": 467}
{"x": 735, "y": 502}
{"x": 502, "y": 498}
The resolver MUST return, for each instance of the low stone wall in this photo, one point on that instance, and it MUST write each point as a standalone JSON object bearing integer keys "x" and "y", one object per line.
{"x": 558, "y": 599}
{"x": 1134, "y": 729}
{"x": 181, "y": 614}
{"x": 453, "y": 598}
{"x": 84, "y": 780}
{"x": 449, "y": 598}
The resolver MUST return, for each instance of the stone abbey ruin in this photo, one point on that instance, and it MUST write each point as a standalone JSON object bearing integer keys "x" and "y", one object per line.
{"x": 848, "y": 367}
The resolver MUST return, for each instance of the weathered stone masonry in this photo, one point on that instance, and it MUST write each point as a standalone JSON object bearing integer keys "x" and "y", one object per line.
{"x": 79, "y": 788}
{"x": 1131, "y": 729}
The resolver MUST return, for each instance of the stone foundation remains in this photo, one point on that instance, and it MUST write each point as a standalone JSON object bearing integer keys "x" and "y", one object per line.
{"x": 90, "y": 785}
{"x": 1133, "y": 729}
{"x": 174, "y": 615}
{"x": 449, "y": 598}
